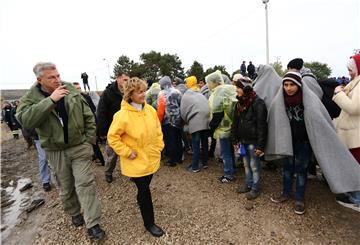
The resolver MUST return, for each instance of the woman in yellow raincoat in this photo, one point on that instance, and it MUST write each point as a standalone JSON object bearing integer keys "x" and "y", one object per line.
{"x": 135, "y": 135}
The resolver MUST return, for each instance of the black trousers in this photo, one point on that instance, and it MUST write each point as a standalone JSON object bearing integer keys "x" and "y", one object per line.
{"x": 98, "y": 154}
{"x": 212, "y": 147}
{"x": 144, "y": 199}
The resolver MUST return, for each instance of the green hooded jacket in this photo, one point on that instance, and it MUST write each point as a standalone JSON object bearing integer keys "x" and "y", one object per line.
{"x": 222, "y": 99}
{"x": 37, "y": 111}
{"x": 152, "y": 94}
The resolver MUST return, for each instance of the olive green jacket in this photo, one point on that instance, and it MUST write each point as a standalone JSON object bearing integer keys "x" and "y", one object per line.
{"x": 37, "y": 111}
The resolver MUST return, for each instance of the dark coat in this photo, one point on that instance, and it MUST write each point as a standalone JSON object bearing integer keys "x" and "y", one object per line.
{"x": 90, "y": 103}
{"x": 7, "y": 114}
{"x": 251, "y": 69}
{"x": 109, "y": 104}
{"x": 328, "y": 86}
{"x": 250, "y": 127}
{"x": 14, "y": 121}
{"x": 243, "y": 68}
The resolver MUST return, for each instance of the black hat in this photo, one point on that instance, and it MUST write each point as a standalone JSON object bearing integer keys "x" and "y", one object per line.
{"x": 295, "y": 64}
{"x": 294, "y": 77}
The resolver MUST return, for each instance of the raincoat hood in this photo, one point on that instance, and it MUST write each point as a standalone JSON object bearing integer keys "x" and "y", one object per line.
{"x": 226, "y": 79}
{"x": 154, "y": 86}
{"x": 178, "y": 81}
{"x": 191, "y": 83}
{"x": 165, "y": 82}
{"x": 214, "y": 79}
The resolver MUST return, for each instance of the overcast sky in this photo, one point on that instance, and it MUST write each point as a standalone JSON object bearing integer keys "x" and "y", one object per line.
{"x": 78, "y": 35}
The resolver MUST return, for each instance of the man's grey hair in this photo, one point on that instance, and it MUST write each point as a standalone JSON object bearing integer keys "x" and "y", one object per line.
{"x": 41, "y": 66}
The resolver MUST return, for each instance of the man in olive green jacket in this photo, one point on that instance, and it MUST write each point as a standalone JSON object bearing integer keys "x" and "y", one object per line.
{"x": 66, "y": 128}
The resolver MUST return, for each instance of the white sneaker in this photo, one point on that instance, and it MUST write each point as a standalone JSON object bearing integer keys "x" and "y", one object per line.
{"x": 344, "y": 201}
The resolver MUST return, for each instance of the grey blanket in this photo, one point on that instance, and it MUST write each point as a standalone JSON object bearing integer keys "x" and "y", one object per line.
{"x": 309, "y": 79}
{"x": 267, "y": 84}
{"x": 341, "y": 170}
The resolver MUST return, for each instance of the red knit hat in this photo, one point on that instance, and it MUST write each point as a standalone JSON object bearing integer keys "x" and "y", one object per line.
{"x": 356, "y": 57}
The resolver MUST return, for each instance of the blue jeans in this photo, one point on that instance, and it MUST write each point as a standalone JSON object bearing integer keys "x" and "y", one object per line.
{"x": 252, "y": 167}
{"x": 227, "y": 156}
{"x": 297, "y": 164}
{"x": 197, "y": 138}
{"x": 43, "y": 164}
{"x": 354, "y": 197}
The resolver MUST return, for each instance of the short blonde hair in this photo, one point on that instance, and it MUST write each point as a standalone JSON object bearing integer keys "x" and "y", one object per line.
{"x": 134, "y": 84}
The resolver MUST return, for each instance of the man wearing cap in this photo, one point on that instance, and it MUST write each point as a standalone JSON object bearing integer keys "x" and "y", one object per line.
{"x": 298, "y": 163}
{"x": 296, "y": 119}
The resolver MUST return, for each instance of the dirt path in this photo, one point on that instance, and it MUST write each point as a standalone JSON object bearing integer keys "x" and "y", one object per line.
{"x": 193, "y": 208}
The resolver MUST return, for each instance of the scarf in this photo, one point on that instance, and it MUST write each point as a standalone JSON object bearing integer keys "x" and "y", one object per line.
{"x": 244, "y": 102}
{"x": 293, "y": 100}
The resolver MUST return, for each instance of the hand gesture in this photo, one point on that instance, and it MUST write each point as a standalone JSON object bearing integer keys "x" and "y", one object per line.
{"x": 133, "y": 155}
{"x": 258, "y": 152}
{"x": 59, "y": 93}
{"x": 339, "y": 89}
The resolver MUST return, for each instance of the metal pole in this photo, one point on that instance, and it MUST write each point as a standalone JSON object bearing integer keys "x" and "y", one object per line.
{"x": 108, "y": 66}
{"x": 96, "y": 84}
{"x": 109, "y": 70}
{"x": 267, "y": 34}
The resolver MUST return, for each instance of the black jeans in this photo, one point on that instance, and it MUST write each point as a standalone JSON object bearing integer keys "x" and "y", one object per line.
{"x": 173, "y": 143}
{"x": 144, "y": 199}
{"x": 98, "y": 154}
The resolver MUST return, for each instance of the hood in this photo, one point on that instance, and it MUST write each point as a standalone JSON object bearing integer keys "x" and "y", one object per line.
{"x": 264, "y": 69}
{"x": 214, "y": 79}
{"x": 178, "y": 81}
{"x": 191, "y": 83}
{"x": 165, "y": 82}
{"x": 154, "y": 86}
{"x": 226, "y": 79}
{"x": 127, "y": 107}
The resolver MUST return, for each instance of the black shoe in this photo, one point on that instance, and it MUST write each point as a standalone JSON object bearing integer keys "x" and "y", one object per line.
{"x": 78, "y": 220}
{"x": 243, "y": 189}
{"x": 47, "y": 187}
{"x": 108, "y": 178}
{"x": 96, "y": 233}
{"x": 170, "y": 164}
{"x": 155, "y": 230}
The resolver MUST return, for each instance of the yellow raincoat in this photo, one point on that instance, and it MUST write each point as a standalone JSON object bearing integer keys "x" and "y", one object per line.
{"x": 139, "y": 131}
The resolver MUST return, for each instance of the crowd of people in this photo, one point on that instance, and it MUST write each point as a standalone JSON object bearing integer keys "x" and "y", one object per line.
{"x": 255, "y": 115}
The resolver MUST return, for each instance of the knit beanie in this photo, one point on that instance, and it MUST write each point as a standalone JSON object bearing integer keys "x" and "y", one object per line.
{"x": 295, "y": 64}
{"x": 245, "y": 84}
{"x": 294, "y": 77}
{"x": 237, "y": 76}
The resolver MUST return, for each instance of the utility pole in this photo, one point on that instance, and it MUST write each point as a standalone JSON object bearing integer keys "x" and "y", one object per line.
{"x": 108, "y": 66}
{"x": 267, "y": 30}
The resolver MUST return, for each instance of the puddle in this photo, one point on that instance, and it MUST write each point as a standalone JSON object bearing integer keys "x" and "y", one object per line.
{"x": 14, "y": 202}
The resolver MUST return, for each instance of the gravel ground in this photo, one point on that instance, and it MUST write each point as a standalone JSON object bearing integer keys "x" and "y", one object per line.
{"x": 193, "y": 208}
